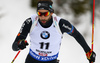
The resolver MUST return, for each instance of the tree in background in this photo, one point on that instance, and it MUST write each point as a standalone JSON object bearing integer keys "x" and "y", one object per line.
{"x": 34, "y": 3}
{"x": 77, "y": 6}
{"x": 97, "y": 3}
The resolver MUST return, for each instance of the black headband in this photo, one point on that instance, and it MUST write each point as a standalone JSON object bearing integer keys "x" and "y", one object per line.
{"x": 45, "y": 5}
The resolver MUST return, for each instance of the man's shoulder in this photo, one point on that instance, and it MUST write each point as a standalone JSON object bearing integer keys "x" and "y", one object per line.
{"x": 28, "y": 20}
{"x": 34, "y": 17}
{"x": 59, "y": 18}
{"x": 55, "y": 17}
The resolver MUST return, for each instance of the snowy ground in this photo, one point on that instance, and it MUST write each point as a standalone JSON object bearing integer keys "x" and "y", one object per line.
{"x": 14, "y": 13}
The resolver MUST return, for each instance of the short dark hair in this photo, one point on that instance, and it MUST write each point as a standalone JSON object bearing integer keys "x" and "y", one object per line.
{"x": 46, "y": 0}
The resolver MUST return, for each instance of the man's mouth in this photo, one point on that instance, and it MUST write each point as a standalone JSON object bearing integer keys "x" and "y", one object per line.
{"x": 43, "y": 21}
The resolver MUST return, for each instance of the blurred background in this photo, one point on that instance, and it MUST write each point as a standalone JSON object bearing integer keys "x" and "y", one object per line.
{"x": 78, "y": 12}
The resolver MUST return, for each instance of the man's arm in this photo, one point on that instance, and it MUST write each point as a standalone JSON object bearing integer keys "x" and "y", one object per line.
{"x": 66, "y": 27}
{"x": 25, "y": 29}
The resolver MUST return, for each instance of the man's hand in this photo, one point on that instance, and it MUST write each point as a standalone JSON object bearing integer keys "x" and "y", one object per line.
{"x": 22, "y": 44}
{"x": 91, "y": 56}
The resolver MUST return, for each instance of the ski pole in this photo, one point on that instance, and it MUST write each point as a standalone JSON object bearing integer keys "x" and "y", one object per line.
{"x": 93, "y": 24}
{"x": 16, "y": 56}
{"x": 93, "y": 15}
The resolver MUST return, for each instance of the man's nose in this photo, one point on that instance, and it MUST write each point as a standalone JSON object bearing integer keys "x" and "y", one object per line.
{"x": 43, "y": 17}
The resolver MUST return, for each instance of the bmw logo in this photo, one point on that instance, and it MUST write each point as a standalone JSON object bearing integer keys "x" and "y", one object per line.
{"x": 45, "y": 35}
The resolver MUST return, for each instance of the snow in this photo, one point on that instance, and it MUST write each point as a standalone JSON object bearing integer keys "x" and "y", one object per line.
{"x": 15, "y": 12}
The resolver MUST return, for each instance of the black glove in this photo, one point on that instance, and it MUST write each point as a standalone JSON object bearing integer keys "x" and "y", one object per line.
{"x": 22, "y": 44}
{"x": 91, "y": 55}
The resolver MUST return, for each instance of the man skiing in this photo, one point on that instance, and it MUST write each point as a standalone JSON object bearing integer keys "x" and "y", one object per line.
{"x": 46, "y": 29}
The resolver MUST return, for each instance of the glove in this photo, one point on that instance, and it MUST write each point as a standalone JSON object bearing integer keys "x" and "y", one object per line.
{"x": 22, "y": 44}
{"x": 91, "y": 56}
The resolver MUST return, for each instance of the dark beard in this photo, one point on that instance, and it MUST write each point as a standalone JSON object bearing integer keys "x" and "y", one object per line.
{"x": 45, "y": 21}
{"x": 47, "y": 24}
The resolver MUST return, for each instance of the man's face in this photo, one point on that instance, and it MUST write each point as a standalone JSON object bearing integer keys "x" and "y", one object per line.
{"x": 45, "y": 16}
